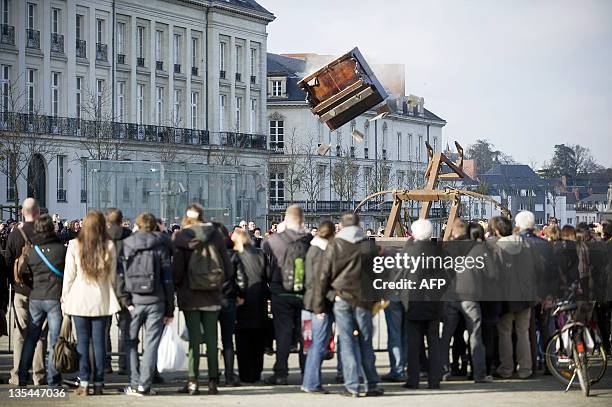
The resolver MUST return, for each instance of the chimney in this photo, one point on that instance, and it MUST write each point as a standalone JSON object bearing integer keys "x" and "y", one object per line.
{"x": 590, "y": 190}
{"x": 564, "y": 181}
{"x": 576, "y": 193}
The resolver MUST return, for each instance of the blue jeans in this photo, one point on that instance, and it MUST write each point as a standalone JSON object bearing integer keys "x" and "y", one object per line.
{"x": 349, "y": 319}
{"x": 91, "y": 329}
{"x": 470, "y": 310}
{"x": 321, "y": 334}
{"x": 396, "y": 338}
{"x": 152, "y": 317}
{"x": 39, "y": 310}
{"x": 227, "y": 321}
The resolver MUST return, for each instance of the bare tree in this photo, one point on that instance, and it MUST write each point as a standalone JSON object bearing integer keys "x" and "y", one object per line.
{"x": 290, "y": 164}
{"x": 312, "y": 179}
{"x": 25, "y": 135}
{"x": 345, "y": 177}
{"x": 101, "y": 137}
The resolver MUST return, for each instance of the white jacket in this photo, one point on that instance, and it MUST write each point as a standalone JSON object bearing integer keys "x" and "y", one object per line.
{"x": 86, "y": 298}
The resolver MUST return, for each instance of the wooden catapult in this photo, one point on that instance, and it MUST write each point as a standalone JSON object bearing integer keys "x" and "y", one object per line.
{"x": 440, "y": 167}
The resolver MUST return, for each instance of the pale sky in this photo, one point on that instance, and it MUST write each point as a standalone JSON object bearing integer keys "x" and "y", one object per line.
{"x": 525, "y": 74}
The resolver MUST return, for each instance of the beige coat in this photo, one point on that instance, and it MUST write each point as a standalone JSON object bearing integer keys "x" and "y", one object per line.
{"x": 88, "y": 298}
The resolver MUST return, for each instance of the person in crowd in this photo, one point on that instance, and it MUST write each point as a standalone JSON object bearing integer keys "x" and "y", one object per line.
{"x": 286, "y": 305}
{"x": 464, "y": 303}
{"x": 346, "y": 259}
{"x": 423, "y": 308}
{"x": 117, "y": 233}
{"x": 513, "y": 251}
{"x": 146, "y": 256}
{"x": 257, "y": 238}
{"x": 251, "y": 312}
{"x": 46, "y": 266}
{"x": 88, "y": 295}
{"x": 16, "y": 241}
{"x": 251, "y": 228}
{"x": 322, "y": 322}
{"x": 243, "y": 224}
{"x": 200, "y": 306}
{"x": 233, "y": 295}
{"x": 57, "y": 224}
{"x": 314, "y": 231}
{"x": 397, "y": 339}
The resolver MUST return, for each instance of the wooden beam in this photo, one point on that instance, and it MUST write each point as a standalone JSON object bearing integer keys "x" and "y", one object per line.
{"x": 393, "y": 217}
{"x": 451, "y": 220}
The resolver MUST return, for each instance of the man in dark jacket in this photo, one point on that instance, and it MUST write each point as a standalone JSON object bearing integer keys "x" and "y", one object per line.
{"x": 14, "y": 245}
{"x": 286, "y": 306}
{"x": 423, "y": 306}
{"x": 114, "y": 220}
{"x": 348, "y": 259}
{"x": 46, "y": 266}
{"x": 146, "y": 252}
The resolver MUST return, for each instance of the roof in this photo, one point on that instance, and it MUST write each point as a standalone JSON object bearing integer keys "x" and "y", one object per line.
{"x": 514, "y": 175}
{"x": 294, "y": 69}
{"x": 595, "y": 198}
{"x": 248, "y": 4}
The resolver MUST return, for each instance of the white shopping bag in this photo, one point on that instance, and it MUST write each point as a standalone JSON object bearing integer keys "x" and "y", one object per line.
{"x": 171, "y": 354}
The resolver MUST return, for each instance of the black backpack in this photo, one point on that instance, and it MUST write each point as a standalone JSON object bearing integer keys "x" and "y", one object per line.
{"x": 205, "y": 270}
{"x": 139, "y": 271}
{"x": 293, "y": 270}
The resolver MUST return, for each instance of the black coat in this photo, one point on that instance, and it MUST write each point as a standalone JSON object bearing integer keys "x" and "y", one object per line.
{"x": 46, "y": 285}
{"x": 275, "y": 247}
{"x": 14, "y": 245}
{"x": 313, "y": 275}
{"x": 253, "y": 312}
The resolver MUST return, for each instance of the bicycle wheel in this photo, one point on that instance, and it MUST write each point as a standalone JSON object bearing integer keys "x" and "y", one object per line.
{"x": 562, "y": 366}
{"x": 582, "y": 372}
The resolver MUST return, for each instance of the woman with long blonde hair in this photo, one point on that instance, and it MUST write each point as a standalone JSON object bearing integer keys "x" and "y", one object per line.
{"x": 88, "y": 295}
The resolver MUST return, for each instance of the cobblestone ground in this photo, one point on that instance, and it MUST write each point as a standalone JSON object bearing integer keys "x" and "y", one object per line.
{"x": 540, "y": 391}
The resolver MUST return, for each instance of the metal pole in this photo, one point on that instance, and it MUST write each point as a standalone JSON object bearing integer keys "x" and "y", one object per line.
{"x": 376, "y": 154}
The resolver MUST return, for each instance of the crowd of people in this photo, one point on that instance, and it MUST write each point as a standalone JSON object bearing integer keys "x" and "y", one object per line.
{"x": 260, "y": 288}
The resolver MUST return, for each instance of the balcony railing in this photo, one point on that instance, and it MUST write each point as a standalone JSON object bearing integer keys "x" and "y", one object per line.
{"x": 101, "y": 52}
{"x": 243, "y": 140}
{"x": 7, "y": 34}
{"x": 121, "y": 59}
{"x": 67, "y": 126}
{"x": 61, "y": 195}
{"x": 194, "y": 71}
{"x": 177, "y": 68}
{"x": 81, "y": 49}
{"x": 238, "y": 77}
{"x": 57, "y": 43}
{"x": 140, "y": 62}
{"x": 331, "y": 206}
{"x": 253, "y": 79}
{"x": 222, "y": 74}
{"x": 277, "y": 146}
{"x": 33, "y": 39}
{"x": 159, "y": 65}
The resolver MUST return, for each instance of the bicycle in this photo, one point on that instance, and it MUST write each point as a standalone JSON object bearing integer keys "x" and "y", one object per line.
{"x": 576, "y": 349}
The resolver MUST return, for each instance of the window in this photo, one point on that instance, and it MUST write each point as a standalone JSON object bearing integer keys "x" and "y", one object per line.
{"x": 121, "y": 102}
{"x": 159, "y": 35}
{"x": 253, "y": 61}
{"x": 159, "y": 105}
{"x": 366, "y": 133}
{"x": 277, "y": 88}
{"x": 194, "y": 52}
{"x": 238, "y": 58}
{"x": 253, "y": 116}
{"x": 6, "y": 87}
{"x": 31, "y": 89}
{"x": 238, "y": 113}
{"x": 83, "y": 180}
{"x": 176, "y": 112}
{"x": 140, "y": 103}
{"x": 222, "y": 56}
{"x": 99, "y": 30}
{"x": 121, "y": 38}
{"x": 351, "y": 134}
{"x": 79, "y": 26}
{"x": 177, "y": 49}
{"x": 367, "y": 179}
{"x": 419, "y": 149}
{"x": 5, "y": 11}
{"x": 61, "y": 191}
{"x": 409, "y": 147}
{"x": 79, "y": 96}
{"x": 399, "y": 146}
{"x": 277, "y": 186}
{"x": 55, "y": 20}
{"x": 221, "y": 112}
{"x": 141, "y": 41}
{"x": 195, "y": 96}
{"x": 31, "y": 16}
{"x": 277, "y": 134}
{"x": 400, "y": 178}
{"x": 11, "y": 178}
{"x": 99, "y": 97}
{"x": 55, "y": 93}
